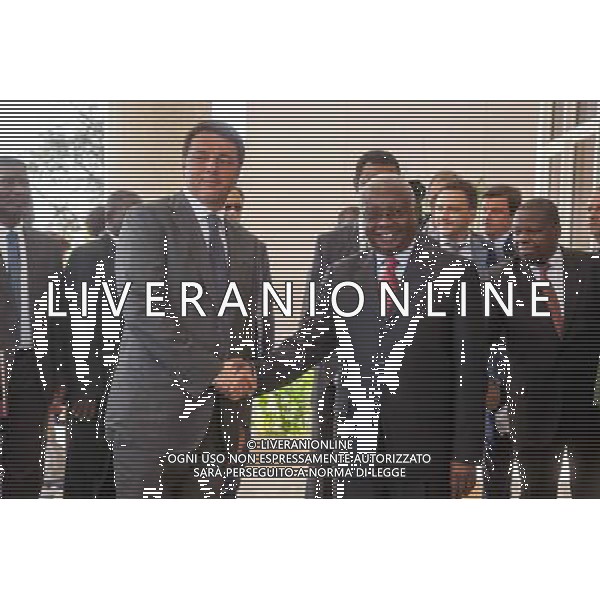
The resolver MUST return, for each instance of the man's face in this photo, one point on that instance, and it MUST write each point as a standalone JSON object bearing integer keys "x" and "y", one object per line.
{"x": 536, "y": 238}
{"x": 496, "y": 217}
{"x": 211, "y": 169}
{"x": 371, "y": 170}
{"x": 233, "y": 206}
{"x": 594, "y": 217}
{"x": 14, "y": 193}
{"x": 452, "y": 215}
{"x": 390, "y": 220}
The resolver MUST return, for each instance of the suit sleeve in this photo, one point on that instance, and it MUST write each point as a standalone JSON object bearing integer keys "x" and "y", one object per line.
{"x": 317, "y": 268}
{"x": 140, "y": 258}
{"x": 265, "y": 324}
{"x": 311, "y": 344}
{"x": 59, "y": 363}
{"x": 472, "y": 355}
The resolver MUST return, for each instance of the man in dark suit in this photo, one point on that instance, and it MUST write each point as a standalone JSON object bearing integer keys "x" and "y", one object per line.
{"x": 331, "y": 246}
{"x": 29, "y": 386}
{"x": 498, "y": 206}
{"x": 89, "y": 471}
{"x": 344, "y": 240}
{"x": 451, "y": 225}
{"x": 412, "y": 383}
{"x": 554, "y": 357}
{"x": 168, "y": 393}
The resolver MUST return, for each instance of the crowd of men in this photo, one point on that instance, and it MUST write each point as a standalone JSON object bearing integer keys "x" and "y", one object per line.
{"x": 468, "y": 389}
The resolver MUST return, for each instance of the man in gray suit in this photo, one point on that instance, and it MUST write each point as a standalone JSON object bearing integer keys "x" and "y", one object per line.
{"x": 169, "y": 389}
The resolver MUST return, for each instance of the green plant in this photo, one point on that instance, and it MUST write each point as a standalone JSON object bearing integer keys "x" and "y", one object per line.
{"x": 285, "y": 412}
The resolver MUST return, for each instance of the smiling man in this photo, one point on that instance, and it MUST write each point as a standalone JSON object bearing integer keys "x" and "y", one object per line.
{"x": 170, "y": 386}
{"x": 407, "y": 384}
{"x": 553, "y": 358}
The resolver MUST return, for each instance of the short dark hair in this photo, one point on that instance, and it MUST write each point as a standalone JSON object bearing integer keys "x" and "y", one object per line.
{"x": 546, "y": 206}
{"x": 460, "y": 185}
{"x": 511, "y": 193}
{"x": 374, "y": 157}
{"x": 220, "y": 128}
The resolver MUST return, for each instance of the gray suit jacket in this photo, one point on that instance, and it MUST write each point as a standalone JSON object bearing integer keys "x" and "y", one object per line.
{"x": 166, "y": 364}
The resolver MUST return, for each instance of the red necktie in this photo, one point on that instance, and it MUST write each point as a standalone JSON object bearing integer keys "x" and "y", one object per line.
{"x": 553, "y": 302}
{"x": 389, "y": 276}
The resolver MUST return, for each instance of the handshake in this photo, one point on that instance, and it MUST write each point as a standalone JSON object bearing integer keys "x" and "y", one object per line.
{"x": 237, "y": 379}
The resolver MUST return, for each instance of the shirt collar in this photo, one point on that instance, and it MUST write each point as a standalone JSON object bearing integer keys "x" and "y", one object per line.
{"x": 448, "y": 243}
{"x": 199, "y": 208}
{"x": 402, "y": 255}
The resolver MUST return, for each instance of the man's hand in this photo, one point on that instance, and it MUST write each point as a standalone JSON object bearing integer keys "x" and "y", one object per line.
{"x": 492, "y": 397}
{"x": 236, "y": 380}
{"x": 57, "y": 404}
{"x": 462, "y": 479}
{"x": 84, "y": 409}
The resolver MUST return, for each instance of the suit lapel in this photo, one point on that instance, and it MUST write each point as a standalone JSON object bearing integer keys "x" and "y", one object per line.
{"x": 423, "y": 266}
{"x": 364, "y": 327}
{"x": 574, "y": 285}
{"x": 191, "y": 239}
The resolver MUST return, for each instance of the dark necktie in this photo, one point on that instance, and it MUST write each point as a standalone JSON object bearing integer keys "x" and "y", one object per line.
{"x": 553, "y": 302}
{"x": 391, "y": 278}
{"x": 217, "y": 256}
{"x": 13, "y": 263}
{"x": 492, "y": 257}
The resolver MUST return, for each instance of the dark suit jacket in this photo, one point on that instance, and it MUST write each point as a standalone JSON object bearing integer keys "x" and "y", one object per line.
{"x": 81, "y": 267}
{"x": 44, "y": 259}
{"x": 439, "y": 403}
{"x": 167, "y": 362}
{"x": 331, "y": 246}
{"x": 552, "y": 378}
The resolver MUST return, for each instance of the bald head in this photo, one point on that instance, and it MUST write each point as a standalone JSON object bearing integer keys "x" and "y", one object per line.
{"x": 391, "y": 215}
{"x": 537, "y": 229}
{"x": 14, "y": 191}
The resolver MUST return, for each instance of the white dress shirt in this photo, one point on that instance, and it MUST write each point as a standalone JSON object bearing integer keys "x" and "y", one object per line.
{"x": 462, "y": 248}
{"x": 499, "y": 244}
{"x": 26, "y": 338}
{"x": 556, "y": 275}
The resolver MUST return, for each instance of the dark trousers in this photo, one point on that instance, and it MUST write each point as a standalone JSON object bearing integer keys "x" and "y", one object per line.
{"x": 139, "y": 465}
{"x": 498, "y": 462}
{"x": 24, "y": 429}
{"x": 89, "y": 471}
{"x": 540, "y": 463}
{"x": 179, "y": 480}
